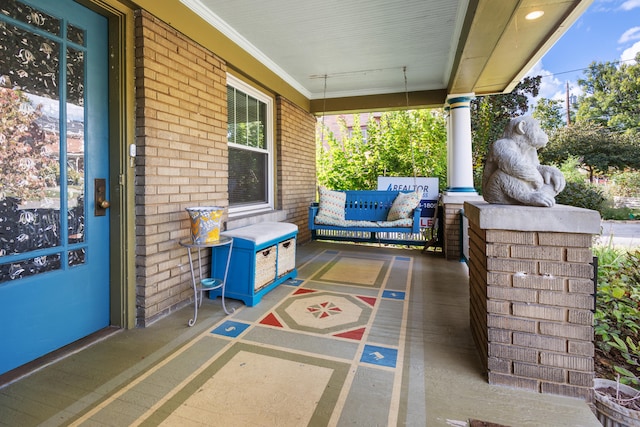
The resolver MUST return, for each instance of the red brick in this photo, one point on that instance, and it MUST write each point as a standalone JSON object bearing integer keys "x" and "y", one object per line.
{"x": 565, "y": 239}
{"x": 512, "y": 352}
{"x": 512, "y": 294}
{"x": 511, "y": 381}
{"x": 571, "y": 362}
{"x": 578, "y": 332}
{"x": 584, "y": 393}
{"x": 511, "y": 265}
{"x": 499, "y": 279}
{"x": 582, "y": 286}
{"x": 566, "y": 300}
{"x": 579, "y": 255}
{"x": 545, "y": 373}
{"x": 498, "y": 307}
{"x": 534, "y": 281}
{"x": 515, "y": 237}
{"x": 541, "y": 342}
{"x": 510, "y": 323}
{"x": 565, "y": 269}
{"x": 499, "y": 365}
{"x": 537, "y": 252}
{"x": 583, "y": 379}
{"x": 496, "y": 250}
{"x": 499, "y": 335}
{"x": 582, "y": 348}
{"x": 536, "y": 311}
{"x": 581, "y": 317}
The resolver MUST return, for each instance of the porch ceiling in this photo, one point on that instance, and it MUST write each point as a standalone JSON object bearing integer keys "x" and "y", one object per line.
{"x": 363, "y": 46}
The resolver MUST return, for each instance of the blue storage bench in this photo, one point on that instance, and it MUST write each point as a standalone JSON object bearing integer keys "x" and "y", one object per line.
{"x": 263, "y": 256}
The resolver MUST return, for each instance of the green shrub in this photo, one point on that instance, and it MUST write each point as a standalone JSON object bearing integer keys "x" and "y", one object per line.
{"x": 582, "y": 195}
{"x": 617, "y": 316}
{"x": 626, "y": 184}
{"x": 619, "y": 214}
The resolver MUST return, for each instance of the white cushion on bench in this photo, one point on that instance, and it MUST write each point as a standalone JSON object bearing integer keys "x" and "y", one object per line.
{"x": 323, "y": 219}
{"x": 332, "y": 203}
{"x": 403, "y": 206}
{"x": 262, "y": 232}
{"x": 402, "y": 222}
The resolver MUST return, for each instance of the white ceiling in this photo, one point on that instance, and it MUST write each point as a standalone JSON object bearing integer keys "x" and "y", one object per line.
{"x": 363, "y": 47}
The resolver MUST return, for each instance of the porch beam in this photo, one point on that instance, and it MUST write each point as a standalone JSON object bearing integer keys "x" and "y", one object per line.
{"x": 384, "y": 102}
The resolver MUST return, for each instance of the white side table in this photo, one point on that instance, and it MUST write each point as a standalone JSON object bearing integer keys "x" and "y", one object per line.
{"x": 206, "y": 284}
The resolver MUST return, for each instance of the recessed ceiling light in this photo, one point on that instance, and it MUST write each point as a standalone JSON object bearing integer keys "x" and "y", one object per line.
{"x": 534, "y": 15}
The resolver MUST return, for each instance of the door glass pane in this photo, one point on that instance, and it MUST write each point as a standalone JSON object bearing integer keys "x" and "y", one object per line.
{"x": 76, "y": 257}
{"x": 41, "y": 158}
{"x": 75, "y": 34}
{"x": 75, "y": 145}
{"x": 29, "y": 267}
{"x": 29, "y": 15}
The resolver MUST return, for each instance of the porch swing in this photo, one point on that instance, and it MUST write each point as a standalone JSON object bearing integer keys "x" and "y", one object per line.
{"x": 371, "y": 216}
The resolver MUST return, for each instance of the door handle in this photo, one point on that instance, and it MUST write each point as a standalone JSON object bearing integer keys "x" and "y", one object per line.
{"x": 100, "y": 192}
{"x": 104, "y": 204}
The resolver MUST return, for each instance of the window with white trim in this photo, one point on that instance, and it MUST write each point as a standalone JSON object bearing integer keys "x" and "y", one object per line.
{"x": 250, "y": 141}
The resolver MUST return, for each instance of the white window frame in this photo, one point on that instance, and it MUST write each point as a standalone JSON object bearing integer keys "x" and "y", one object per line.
{"x": 269, "y": 136}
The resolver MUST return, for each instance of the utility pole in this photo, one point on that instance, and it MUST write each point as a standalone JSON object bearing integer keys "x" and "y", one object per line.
{"x": 568, "y": 105}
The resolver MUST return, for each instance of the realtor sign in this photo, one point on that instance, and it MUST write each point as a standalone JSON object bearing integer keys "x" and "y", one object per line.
{"x": 427, "y": 186}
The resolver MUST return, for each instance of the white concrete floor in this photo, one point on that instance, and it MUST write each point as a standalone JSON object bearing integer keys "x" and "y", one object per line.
{"x": 440, "y": 350}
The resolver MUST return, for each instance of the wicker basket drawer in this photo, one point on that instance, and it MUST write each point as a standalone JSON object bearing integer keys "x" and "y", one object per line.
{"x": 286, "y": 256}
{"x": 265, "y": 267}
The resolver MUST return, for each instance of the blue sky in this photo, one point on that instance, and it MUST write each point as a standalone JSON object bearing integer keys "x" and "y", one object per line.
{"x": 608, "y": 31}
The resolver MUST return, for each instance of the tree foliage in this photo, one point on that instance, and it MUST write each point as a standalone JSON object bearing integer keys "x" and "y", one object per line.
{"x": 611, "y": 95}
{"x": 27, "y": 163}
{"x": 400, "y": 143}
{"x": 600, "y": 151}
{"x": 549, "y": 113}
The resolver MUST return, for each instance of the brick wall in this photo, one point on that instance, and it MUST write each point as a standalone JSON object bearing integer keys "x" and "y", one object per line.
{"x": 452, "y": 235}
{"x": 452, "y": 205}
{"x": 296, "y": 164}
{"x": 181, "y": 134}
{"x": 531, "y": 302}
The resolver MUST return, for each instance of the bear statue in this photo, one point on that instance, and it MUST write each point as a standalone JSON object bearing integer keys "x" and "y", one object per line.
{"x": 513, "y": 174}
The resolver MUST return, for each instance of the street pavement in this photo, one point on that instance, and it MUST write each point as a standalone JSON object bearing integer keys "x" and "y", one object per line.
{"x": 620, "y": 234}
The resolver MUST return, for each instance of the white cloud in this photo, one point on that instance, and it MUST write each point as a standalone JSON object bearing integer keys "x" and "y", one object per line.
{"x": 551, "y": 87}
{"x": 630, "y": 4}
{"x": 630, "y": 53}
{"x": 630, "y": 35}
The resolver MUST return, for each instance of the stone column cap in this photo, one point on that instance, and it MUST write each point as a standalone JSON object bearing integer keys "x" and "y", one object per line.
{"x": 559, "y": 218}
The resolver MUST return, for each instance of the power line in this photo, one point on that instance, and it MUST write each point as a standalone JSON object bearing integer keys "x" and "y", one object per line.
{"x": 585, "y": 68}
{"x": 570, "y": 71}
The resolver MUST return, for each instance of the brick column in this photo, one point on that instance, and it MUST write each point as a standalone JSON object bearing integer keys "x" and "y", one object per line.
{"x": 452, "y": 205}
{"x": 531, "y": 290}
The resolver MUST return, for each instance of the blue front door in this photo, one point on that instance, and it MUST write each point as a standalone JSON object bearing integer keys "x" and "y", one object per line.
{"x": 54, "y": 233}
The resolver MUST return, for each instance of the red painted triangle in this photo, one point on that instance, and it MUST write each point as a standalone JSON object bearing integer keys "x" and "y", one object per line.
{"x": 324, "y": 304}
{"x": 303, "y": 291}
{"x": 271, "y": 320}
{"x": 323, "y": 315}
{"x": 369, "y": 300}
{"x": 356, "y": 334}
